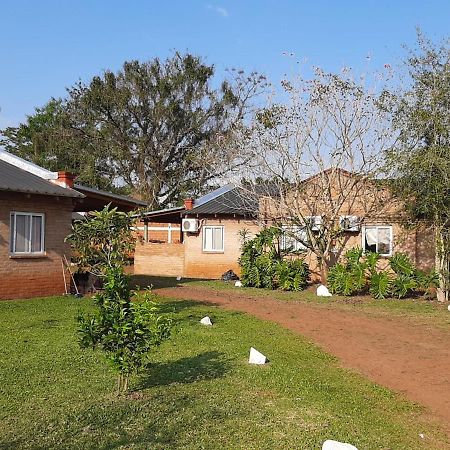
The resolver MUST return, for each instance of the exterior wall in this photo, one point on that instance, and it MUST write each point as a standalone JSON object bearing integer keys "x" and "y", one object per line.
{"x": 34, "y": 276}
{"x": 159, "y": 259}
{"x": 159, "y": 232}
{"x": 188, "y": 259}
{"x": 417, "y": 243}
{"x": 200, "y": 264}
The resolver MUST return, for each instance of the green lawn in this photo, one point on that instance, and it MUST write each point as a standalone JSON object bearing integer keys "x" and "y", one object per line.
{"x": 199, "y": 393}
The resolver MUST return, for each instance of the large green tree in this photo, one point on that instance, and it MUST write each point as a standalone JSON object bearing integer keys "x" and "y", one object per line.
{"x": 421, "y": 160}
{"x": 158, "y": 128}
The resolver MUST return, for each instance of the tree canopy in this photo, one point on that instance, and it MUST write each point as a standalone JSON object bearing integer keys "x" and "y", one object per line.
{"x": 158, "y": 129}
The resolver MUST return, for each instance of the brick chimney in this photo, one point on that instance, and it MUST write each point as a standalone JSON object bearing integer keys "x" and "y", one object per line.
{"x": 65, "y": 179}
{"x": 188, "y": 203}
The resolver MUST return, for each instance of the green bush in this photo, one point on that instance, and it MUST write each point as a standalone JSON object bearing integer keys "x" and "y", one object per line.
{"x": 263, "y": 264}
{"x": 348, "y": 278}
{"x": 380, "y": 285}
{"x": 359, "y": 273}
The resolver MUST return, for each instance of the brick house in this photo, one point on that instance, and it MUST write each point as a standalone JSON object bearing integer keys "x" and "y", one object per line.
{"x": 36, "y": 210}
{"x": 201, "y": 239}
{"x": 213, "y": 244}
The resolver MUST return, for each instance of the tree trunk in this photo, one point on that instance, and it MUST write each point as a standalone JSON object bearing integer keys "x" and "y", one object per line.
{"x": 443, "y": 263}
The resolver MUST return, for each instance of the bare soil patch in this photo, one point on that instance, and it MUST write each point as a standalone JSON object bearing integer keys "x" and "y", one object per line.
{"x": 396, "y": 352}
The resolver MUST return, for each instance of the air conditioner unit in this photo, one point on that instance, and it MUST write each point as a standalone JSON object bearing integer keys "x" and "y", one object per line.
{"x": 190, "y": 225}
{"x": 314, "y": 222}
{"x": 350, "y": 223}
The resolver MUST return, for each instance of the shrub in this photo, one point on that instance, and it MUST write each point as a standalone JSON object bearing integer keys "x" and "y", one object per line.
{"x": 359, "y": 272}
{"x": 349, "y": 278}
{"x": 380, "y": 285}
{"x": 263, "y": 264}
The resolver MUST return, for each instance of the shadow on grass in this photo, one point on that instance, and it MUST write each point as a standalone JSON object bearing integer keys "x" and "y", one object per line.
{"x": 178, "y": 306}
{"x": 143, "y": 281}
{"x": 204, "y": 366}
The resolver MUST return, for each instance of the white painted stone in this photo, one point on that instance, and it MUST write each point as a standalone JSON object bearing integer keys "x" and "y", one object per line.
{"x": 238, "y": 284}
{"x": 178, "y": 278}
{"x": 256, "y": 357}
{"x": 322, "y": 291}
{"x": 422, "y": 436}
{"x": 206, "y": 321}
{"x": 336, "y": 445}
{"x": 448, "y": 307}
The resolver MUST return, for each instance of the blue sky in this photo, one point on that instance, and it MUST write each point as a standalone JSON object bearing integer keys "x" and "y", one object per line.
{"x": 46, "y": 46}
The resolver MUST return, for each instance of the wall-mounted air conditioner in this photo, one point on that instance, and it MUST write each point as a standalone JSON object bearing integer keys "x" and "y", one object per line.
{"x": 190, "y": 225}
{"x": 350, "y": 223}
{"x": 314, "y": 222}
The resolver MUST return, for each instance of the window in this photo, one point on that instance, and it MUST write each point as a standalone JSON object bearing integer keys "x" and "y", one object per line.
{"x": 293, "y": 238}
{"x": 27, "y": 233}
{"x": 378, "y": 239}
{"x": 213, "y": 238}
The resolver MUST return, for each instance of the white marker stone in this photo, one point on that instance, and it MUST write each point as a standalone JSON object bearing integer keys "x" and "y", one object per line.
{"x": 178, "y": 278}
{"x": 322, "y": 291}
{"x": 336, "y": 445}
{"x": 206, "y": 321}
{"x": 238, "y": 284}
{"x": 256, "y": 357}
{"x": 448, "y": 307}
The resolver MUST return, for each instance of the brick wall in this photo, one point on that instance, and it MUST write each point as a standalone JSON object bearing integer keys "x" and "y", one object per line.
{"x": 200, "y": 264}
{"x": 33, "y": 277}
{"x": 159, "y": 259}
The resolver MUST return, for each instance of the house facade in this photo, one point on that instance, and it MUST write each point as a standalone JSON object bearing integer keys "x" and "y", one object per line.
{"x": 208, "y": 248}
{"x": 371, "y": 217}
{"x": 36, "y": 212}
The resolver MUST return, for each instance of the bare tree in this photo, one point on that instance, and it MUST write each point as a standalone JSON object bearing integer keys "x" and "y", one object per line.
{"x": 315, "y": 161}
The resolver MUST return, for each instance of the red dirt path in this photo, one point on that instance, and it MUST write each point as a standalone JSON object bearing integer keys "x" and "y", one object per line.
{"x": 396, "y": 352}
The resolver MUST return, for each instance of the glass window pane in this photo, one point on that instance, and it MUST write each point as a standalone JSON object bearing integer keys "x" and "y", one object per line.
{"x": 370, "y": 239}
{"x": 217, "y": 239}
{"x": 384, "y": 241}
{"x": 22, "y": 233}
{"x": 36, "y": 234}
{"x": 207, "y": 236}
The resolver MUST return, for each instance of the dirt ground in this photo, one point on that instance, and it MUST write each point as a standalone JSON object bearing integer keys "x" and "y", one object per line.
{"x": 395, "y": 352}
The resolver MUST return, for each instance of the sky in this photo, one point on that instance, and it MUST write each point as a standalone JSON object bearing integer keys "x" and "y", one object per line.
{"x": 47, "y": 46}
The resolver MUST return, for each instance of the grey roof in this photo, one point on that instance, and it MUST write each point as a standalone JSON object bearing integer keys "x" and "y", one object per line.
{"x": 160, "y": 212}
{"x": 14, "y": 179}
{"x": 82, "y": 188}
{"x": 230, "y": 200}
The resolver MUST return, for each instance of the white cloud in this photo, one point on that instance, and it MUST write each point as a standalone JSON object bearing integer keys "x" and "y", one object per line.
{"x": 219, "y": 10}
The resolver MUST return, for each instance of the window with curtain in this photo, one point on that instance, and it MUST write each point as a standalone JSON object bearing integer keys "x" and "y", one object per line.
{"x": 213, "y": 238}
{"x": 27, "y": 233}
{"x": 378, "y": 239}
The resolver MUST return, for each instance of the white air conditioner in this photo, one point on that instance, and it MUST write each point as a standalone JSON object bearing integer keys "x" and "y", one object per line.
{"x": 314, "y": 222}
{"x": 190, "y": 225}
{"x": 350, "y": 223}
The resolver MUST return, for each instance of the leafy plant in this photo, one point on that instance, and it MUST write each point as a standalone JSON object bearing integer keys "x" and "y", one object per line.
{"x": 380, "y": 285}
{"x": 403, "y": 286}
{"x": 263, "y": 264}
{"x": 125, "y": 330}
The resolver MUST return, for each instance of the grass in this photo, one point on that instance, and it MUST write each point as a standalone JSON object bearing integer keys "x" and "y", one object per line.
{"x": 418, "y": 309}
{"x": 198, "y": 393}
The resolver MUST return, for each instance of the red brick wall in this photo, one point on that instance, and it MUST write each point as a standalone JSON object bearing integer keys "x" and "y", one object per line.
{"x": 33, "y": 277}
{"x": 200, "y": 264}
{"x": 159, "y": 259}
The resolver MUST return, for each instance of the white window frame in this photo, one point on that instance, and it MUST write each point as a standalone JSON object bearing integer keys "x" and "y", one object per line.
{"x": 391, "y": 238}
{"x": 298, "y": 246}
{"x": 212, "y": 227}
{"x": 13, "y": 234}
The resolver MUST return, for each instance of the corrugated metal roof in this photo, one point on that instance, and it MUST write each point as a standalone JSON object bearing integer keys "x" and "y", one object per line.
{"x": 14, "y": 179}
